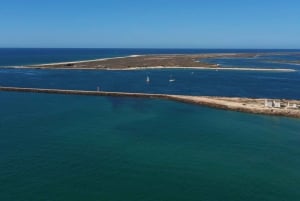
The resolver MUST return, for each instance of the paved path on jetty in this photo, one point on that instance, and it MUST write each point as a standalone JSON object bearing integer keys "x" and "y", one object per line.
{"x": 248, "y": 105}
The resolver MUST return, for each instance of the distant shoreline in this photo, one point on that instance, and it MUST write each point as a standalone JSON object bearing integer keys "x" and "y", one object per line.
{"x": 83, "y": 61}
{"x": 161, "y": 68}
{"x": 160, "y": 61}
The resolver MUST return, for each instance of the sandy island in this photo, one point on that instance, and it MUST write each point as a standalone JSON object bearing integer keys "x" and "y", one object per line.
{"x": 287, "y": 108}
{"x": 141, "y": 62}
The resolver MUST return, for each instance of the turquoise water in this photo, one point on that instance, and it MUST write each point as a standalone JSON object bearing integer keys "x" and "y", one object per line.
{"x": 56, "y": 147}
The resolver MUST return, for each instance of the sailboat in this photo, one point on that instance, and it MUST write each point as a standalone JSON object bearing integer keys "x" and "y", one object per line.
{"x": 171, "y": 79}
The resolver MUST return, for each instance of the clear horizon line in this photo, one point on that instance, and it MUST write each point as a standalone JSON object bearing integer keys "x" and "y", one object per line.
{"x": 183, "y": 48}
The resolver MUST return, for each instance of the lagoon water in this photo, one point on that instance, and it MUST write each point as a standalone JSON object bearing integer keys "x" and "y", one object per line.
{"x": 61, "y": 148}
{"x": 189, "y": 82}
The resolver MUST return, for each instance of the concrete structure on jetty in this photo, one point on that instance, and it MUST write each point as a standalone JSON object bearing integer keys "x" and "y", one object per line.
{"x": 288, "y": 108}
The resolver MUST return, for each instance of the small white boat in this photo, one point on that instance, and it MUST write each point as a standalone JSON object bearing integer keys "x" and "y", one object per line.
{"x": 171, "y": 79}
{"x": 148, "y": 79}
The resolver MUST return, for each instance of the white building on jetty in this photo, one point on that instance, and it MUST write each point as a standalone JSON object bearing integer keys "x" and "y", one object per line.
{"x": 292, "y": 106}
{"x": 268, "y": 103}
{"x": 272, "y": 104}
{"x": 275, "y": 104}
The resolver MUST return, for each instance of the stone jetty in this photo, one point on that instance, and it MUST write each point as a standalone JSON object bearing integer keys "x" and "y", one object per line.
{"x": 248, "y": 105}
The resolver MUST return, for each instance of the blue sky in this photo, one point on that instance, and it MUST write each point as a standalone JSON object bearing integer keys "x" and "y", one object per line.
{"x": 150, "y": 23}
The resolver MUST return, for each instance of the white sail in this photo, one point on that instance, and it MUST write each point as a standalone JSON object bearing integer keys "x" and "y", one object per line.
{"x": 171, "y": 79}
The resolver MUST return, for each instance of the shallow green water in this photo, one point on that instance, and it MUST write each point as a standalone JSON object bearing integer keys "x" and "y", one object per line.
{"x": 61, "y": 148}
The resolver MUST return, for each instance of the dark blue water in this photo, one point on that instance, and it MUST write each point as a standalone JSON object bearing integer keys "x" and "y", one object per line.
{"x": 189, "y": 82}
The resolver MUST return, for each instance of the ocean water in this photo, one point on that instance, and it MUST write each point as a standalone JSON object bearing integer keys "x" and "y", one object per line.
{"x": 68, "y": 148}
